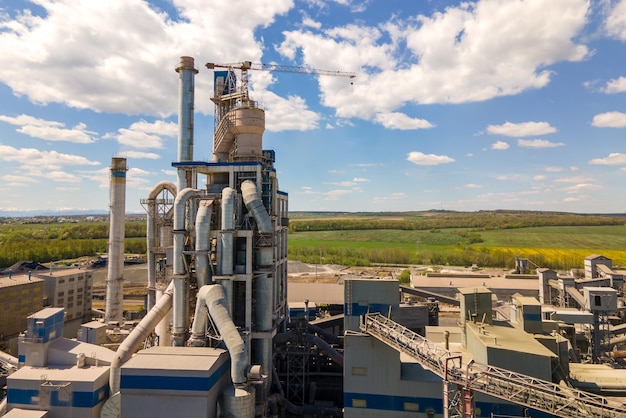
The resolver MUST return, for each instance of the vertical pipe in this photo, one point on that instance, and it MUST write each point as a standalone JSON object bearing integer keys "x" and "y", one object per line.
{"x": 152, "y": 238}
{"x": 203, "y": 227}
{"x": 180, "y": 305}
{"x": 228, "y": 224}
{"x": 115, "y": 273}
{"x": 186, "y": 72}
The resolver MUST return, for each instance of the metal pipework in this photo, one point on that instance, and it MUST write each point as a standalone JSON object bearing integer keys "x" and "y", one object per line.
{"x": 186, "y": 72}
{"x": 115, "y": 263}
{"x": 213, "y": 299}
{"x": 203, "y": 229}
{"x": 138, "y": 336}
{"x": 228, "y": 224}
{"x": 181, "y": 307}
{"x": 255, "y": 206}
{"x": 152, "y": 238}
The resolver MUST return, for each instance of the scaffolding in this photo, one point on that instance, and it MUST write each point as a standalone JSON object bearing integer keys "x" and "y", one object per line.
{"x": 523, "y": 390}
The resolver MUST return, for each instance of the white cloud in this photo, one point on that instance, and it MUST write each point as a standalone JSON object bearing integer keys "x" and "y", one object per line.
{"x": 367, "y": 165}
{"x": 615, "y": 86}
{"x": 117, "y": 55}
{"x": 473, "y": 52}
{"x": 337, "y": 193}
{"x": 308, "y": 22}
{"x": 499, "y": 146}
{"x": 616, "y": 21}
{"x": 538, "y": 143}
{"x": 553, "y": 169}
{"x": 14, "y": 180}
{"x": 397, "y": 120}
{"x": 473, "y": 186}
{"x": 578, "y": 179}
{"x": 34, "y": 159}
{"x": 508, "y": 177}
{"x": 50, "y": 130}
{"x": 63, "y": 177}
{"x": 392, "y": 196}
{"x": 521, "y": 130}
{"x": 140, "y": 155}
{"x": 282, "y": 114}
{"x": 359, "y": 180}
{"x": 609, "y": 120}
{"x": 539, "y": 177}
{"x": 145, "y": 135}
{"x": 614, "y": 158}
{"x": 577, "y": 188}
{"x": 419, "y": 158}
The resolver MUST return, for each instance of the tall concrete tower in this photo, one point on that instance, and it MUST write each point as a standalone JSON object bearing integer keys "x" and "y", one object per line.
{"x": 115, "y": 274}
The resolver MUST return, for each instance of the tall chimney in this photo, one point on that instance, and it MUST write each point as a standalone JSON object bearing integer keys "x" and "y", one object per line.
{"x": 186, "y": 72}
{"x": 115, "y": 276}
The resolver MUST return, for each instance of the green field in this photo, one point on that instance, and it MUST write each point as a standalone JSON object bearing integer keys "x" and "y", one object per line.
{"x": 486, "y": 238}
{"x": 558, "y": 247}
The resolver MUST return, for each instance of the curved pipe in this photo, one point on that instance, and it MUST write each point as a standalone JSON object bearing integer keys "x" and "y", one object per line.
{"x": 255, "y": 206}
{"x": 203, "y": 229}
{"x": 138, "y": 335}
{"x": 151, "y": 236}
{"x": 8, "y": 358}
{"x": 329, "y": 336}
{"x": 326, "y": 348}
{"x": 179, "y": 304}
{"x": 213, "y": 299}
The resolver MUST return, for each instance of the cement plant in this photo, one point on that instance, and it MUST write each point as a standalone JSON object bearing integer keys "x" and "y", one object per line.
{"x": 226, "y": 335}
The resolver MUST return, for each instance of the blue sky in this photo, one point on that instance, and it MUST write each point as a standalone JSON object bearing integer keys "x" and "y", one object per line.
{"x": 493, "y": 104}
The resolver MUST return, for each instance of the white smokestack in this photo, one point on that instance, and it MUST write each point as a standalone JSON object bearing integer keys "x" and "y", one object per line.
{"x": 115, "y": 277}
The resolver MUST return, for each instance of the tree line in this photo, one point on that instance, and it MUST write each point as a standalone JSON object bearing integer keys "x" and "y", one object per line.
{"x": 485, "y": 220}
{"x": 50, "y": 242}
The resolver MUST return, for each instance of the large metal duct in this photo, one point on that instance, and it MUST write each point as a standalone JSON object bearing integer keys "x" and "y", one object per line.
{"x": 213, "y": 299}
{"x": 138, "y": 335}
{"x": 203, "y": 229}
{"x": 186, "y": 72}
{"x": 255, "y": 206}
{"x": 228, "y": 225}
{"x": 180, "y": 306}
{"x": 152, "y": 240}
{"x": 115, "y": 274}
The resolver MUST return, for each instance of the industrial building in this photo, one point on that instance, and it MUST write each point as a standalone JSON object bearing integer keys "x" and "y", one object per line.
{"x": 21, "y": 295}
{"x": 221, "y": 338}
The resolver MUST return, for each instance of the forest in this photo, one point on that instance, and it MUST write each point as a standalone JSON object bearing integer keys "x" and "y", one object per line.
{"x": 44, "y": 242}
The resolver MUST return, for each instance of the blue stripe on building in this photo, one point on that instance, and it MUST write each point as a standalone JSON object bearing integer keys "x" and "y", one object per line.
{"x": 185, "y": 383}
{"x": 76, "y": 400}
{"x": 356, "y": 309}
{"x": 532, "y": 317}
{"x": 119, "y": 174}
{"x": 424, "y": 405}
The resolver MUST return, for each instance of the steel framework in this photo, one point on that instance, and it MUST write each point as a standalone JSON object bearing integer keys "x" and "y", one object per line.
{"x": 501, "y": 383}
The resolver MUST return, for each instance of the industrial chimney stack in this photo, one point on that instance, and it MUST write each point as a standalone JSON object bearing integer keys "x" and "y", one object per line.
{"x": 115, "y": 276}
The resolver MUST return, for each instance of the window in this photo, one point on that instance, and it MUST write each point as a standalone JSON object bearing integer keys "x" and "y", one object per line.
{"x": 359, "y": 403}
{"x": 359, "y": 371}
{"x": 597, "y": 300}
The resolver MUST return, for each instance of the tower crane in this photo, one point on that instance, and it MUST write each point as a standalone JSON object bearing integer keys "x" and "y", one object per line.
{"x": 227, "y": 94}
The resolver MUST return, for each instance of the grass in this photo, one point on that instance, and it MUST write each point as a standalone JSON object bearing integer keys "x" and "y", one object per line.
{"x": 548, "y": 246}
